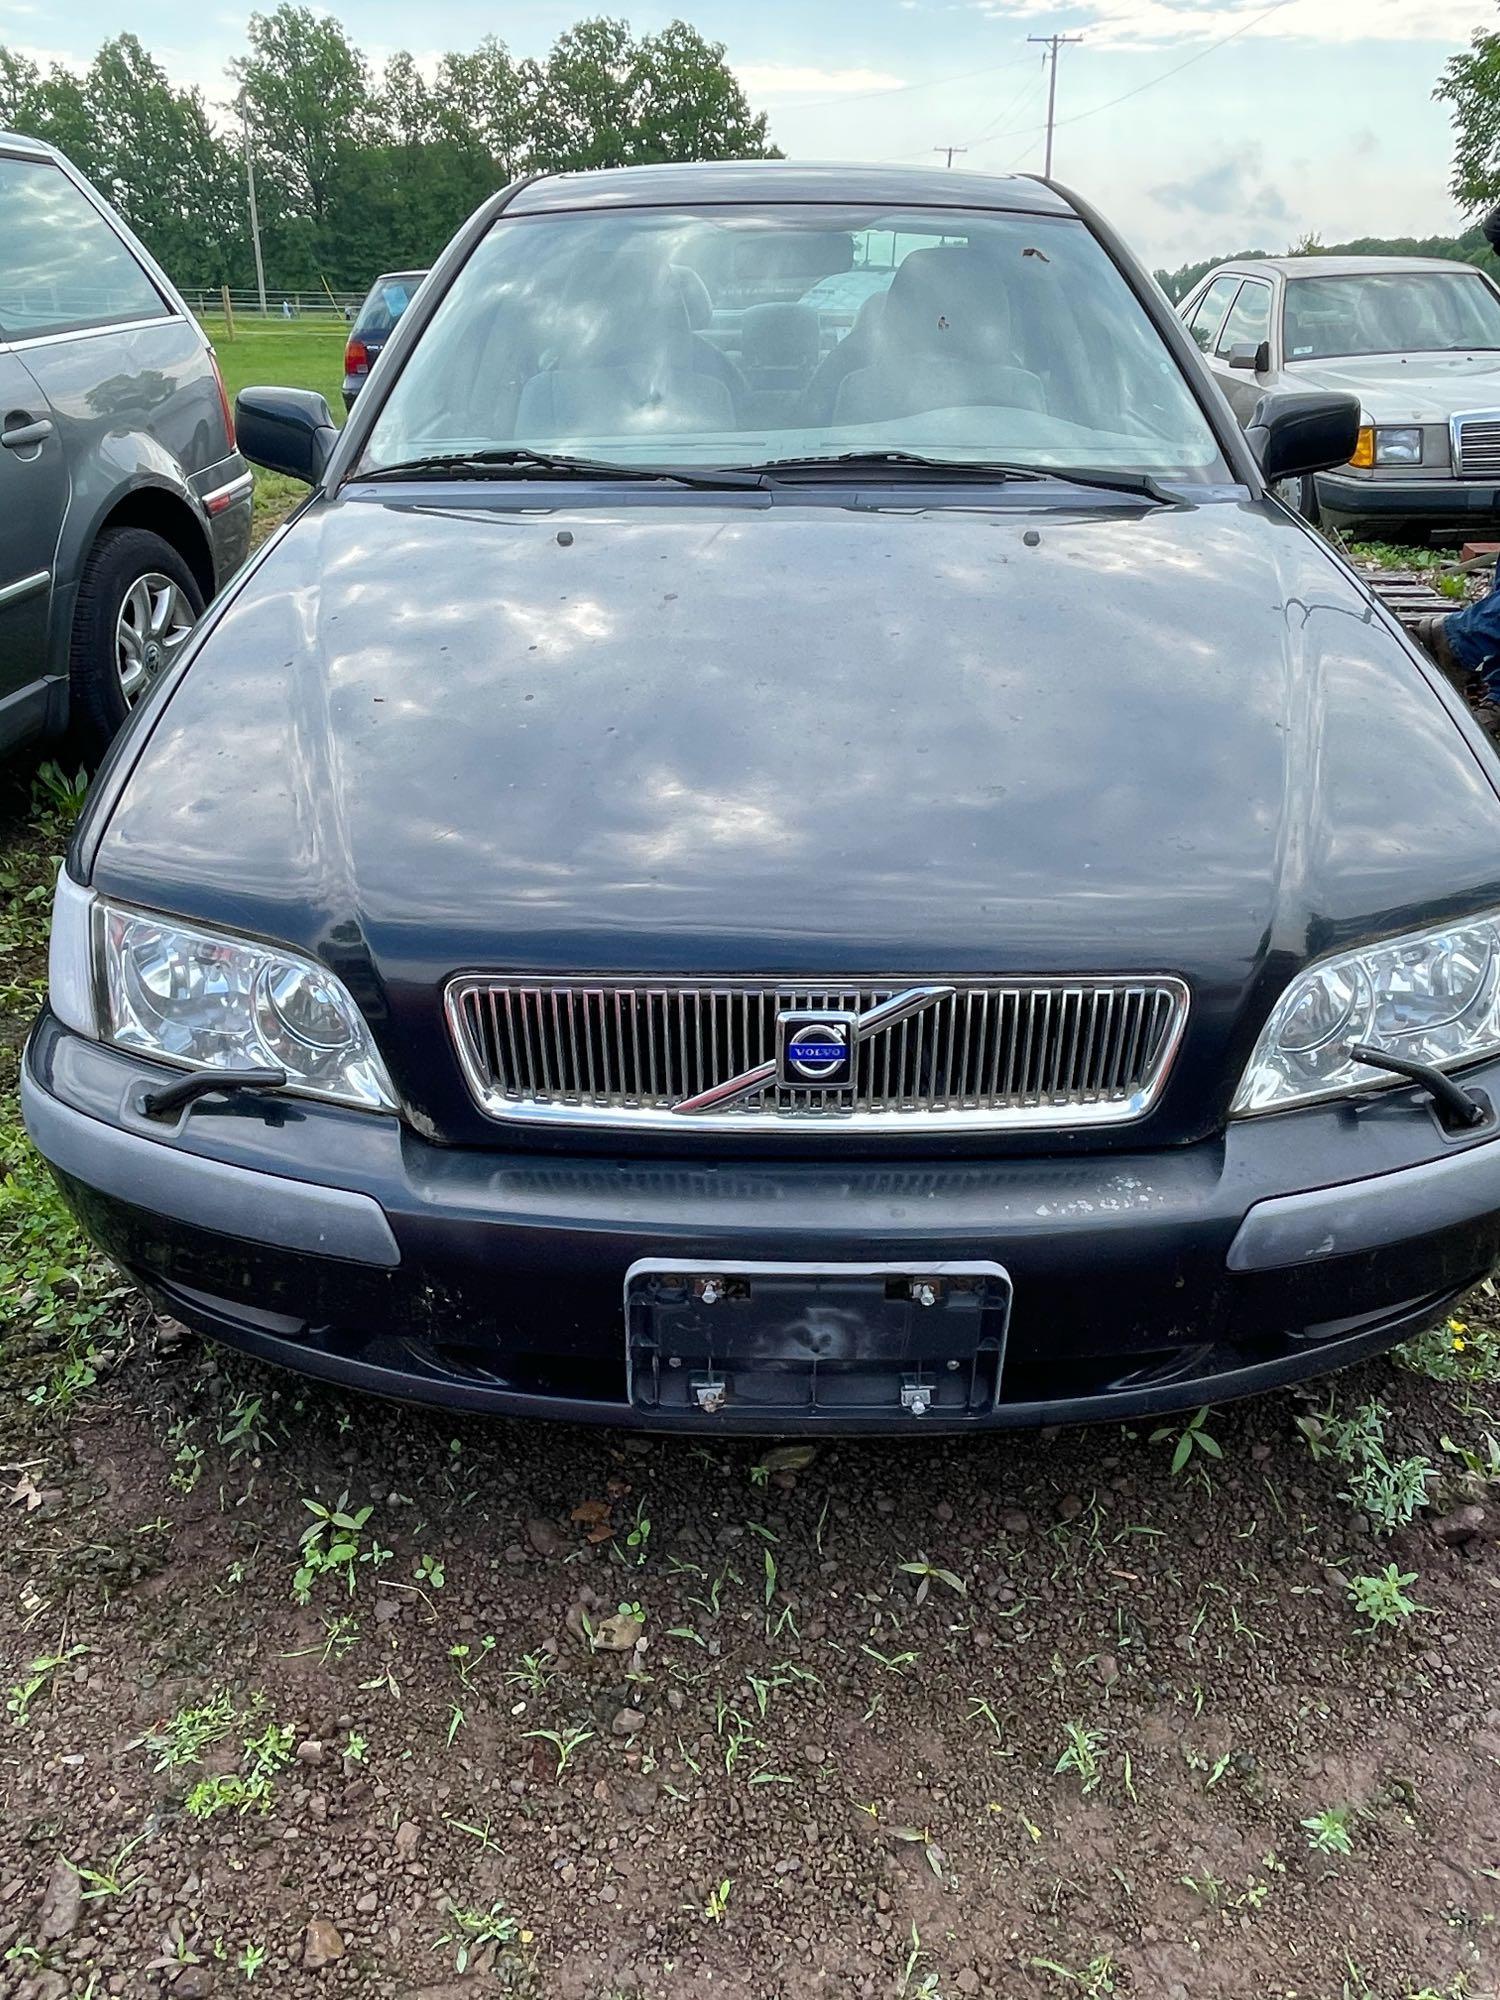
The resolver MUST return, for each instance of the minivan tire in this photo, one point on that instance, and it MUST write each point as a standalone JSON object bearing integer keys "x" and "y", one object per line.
{"x": 123, "y": 561}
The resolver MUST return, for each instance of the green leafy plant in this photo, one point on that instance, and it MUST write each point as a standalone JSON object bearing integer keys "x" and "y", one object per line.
{"x": 99, "y": 1883}
{"x": 1081, "y": 1755}
{"x": 1328, "y": 1831}
{"x": 565, "y": 1743}
{"x": 1095, "y": 1979}
{"x": 54, "y": 791}
{"x": 1391, "y": 1491}
{"x": 1460, "y": 1350}
{"x": 430, "y": 1571}
{"x": 1191, "y": 1438}
{"x": 1381, "y": 1600}
{"x": 191, "y": 1731}
{"x": 912, "y": 1982}
{"x": 38, "y": 1676}
{"x": 331, "y": 1547}
{"x": 253, "y": 1785}
{"x": 474, "y": 1930}
{"x": 928, "y": 1574}
{"x": 718, "y": 1901}
{"x": 639, "y": 1536}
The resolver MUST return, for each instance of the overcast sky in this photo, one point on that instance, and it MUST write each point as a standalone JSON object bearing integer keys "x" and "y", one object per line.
{"x": 1316, "y": 115}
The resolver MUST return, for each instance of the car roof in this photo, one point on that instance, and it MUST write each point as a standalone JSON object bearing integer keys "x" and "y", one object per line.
{"x": 17, "y": 142}
{"x": 1333, "y": 267}
{"x": 386, "y": 277}
{"x": 784, "y": 180}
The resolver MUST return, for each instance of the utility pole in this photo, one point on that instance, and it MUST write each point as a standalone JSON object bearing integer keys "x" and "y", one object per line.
{"x": 260, "y": 269}
{"x": 950, "y": 151}
{"x": 1054, "y": 43}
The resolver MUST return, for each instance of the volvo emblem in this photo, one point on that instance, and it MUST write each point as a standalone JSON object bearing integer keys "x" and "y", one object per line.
{"x": 817, "y": 1049}
{"x": 826, "y": 1042}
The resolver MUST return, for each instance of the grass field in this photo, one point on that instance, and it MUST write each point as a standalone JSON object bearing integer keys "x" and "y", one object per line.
{"x": 291, "y": 355}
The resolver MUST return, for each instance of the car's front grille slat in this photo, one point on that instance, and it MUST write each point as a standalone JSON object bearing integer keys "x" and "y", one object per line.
{"x": 994, "y": 1054}
{"x": 1476, "y": 445}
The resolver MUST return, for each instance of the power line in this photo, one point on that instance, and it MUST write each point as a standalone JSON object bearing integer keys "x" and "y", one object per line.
{"x": 950, "y": 151}
{"x": 1028, "y": 89}
{"x": 1053, "y": 42}
{"x": 1151, "y": 82}
{"x": 899, "y": 89}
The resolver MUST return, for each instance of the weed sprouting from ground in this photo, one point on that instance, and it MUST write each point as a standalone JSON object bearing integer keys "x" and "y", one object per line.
{"x": 1328, "y": 1831}
{"x": 253, "y": 1784}
{"x": 1381, "y": 1600}
{"x": 1081, "y": 1755}
{"x": 1460, "y": 1350}
{"x": 1191, "y": 1438}
{"x": 476, "y": 1931}
{"x": 1391, "y": 1491}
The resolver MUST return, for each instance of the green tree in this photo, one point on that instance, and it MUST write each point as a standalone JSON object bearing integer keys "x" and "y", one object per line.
{"x": 607, "y": 100}
{"x": 20, "y": 91}
{"x": 159, "y": 160}
{"x": 585, "y": 106}
{"x": 486, "y": 104}
{"x": 49, "y": 107}
{"x": 1470, "y": 85}
{"x": 690, "y": 105}
{"x": 308, "y": 92}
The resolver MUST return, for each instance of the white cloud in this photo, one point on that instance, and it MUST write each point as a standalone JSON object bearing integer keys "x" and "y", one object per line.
{"x": 804, "y": 80}
{"x": 1166, "y": 23}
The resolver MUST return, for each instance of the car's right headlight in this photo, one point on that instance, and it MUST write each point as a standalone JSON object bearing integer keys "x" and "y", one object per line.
{"x": 1433, "y": 996}
{"x": 205, "y": 1000}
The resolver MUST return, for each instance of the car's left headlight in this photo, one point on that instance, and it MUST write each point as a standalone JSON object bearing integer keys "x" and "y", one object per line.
{"x": 1433, "y": 996}
{"x": 1388, "y": 444}
{"x": 1398, "y": 446}
{"x": 205, "y": 1000}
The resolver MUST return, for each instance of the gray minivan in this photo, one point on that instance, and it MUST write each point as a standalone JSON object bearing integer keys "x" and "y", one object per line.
{"x": 123, "y": 501}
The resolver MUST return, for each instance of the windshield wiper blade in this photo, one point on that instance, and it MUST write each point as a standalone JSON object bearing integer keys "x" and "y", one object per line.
{"x": 1141, "y": 484}
{"x": 496, "y": 462}
{"x": 1144, "y": 484}
{"x": 876, "y": 458}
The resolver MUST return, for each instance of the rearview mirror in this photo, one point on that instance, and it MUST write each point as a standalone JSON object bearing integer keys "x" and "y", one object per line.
{"x": 286, "y": 430}
{"x": 1255, "y": 356}
{"x": 1295, "y": 431}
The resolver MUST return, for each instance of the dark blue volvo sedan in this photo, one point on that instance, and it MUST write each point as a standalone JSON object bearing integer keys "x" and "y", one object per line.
{"x": 747, "y": 865}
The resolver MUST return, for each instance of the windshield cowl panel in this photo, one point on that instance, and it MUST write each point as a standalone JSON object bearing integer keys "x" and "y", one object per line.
{"x": 732, "y": 337}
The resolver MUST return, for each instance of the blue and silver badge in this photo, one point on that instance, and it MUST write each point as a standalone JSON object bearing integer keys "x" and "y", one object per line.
{"x": 816, "y": 1050}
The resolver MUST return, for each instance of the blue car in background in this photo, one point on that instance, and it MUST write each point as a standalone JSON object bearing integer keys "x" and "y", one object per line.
{"x": 387, "y": 299}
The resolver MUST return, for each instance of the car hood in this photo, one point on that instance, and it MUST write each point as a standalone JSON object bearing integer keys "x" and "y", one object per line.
{"x": 436, "y": 731}
{"x": 1407, "y": 388}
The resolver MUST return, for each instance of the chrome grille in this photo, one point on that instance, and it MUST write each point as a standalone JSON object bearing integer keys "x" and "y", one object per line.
{"x": 1476, "y": 445}
{"x": 998, "y": 1054}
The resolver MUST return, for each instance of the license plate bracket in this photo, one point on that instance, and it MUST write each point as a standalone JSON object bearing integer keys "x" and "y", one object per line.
{"x": 773, "y": 1340}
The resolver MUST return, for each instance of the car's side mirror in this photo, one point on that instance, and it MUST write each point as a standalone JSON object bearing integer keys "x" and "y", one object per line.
{"x": 1252, "y": 355}
{"x": 1296, "y": 431}
{"x": 286, "y": 430}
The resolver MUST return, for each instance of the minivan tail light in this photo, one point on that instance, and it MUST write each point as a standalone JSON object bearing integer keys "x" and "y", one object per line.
{"x": 356, "y": 358}
{"x": 224, "y": 402}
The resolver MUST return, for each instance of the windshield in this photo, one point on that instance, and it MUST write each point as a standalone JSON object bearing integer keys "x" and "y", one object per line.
{"x": 1390, "y": 312}
{"x": 733, "y": 336}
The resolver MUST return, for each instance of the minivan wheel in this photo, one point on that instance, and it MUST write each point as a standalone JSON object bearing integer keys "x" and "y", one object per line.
{"x": 137, "y": 603}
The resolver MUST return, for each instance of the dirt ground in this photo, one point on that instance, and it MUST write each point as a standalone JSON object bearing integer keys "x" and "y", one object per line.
{"x": 557, "y": 1713}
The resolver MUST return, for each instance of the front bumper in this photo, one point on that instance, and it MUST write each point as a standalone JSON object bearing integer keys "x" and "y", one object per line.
{"x": 345, "y": 1246}
{"x": 1435, "y": 503}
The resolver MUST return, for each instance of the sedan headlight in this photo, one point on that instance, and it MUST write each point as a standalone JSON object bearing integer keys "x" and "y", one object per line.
{"x": 206, "y": 1001}
{"x": 1433, "y": 996}
{"x": 1388, "y": 444}
{"x": 1398, "y": 446}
